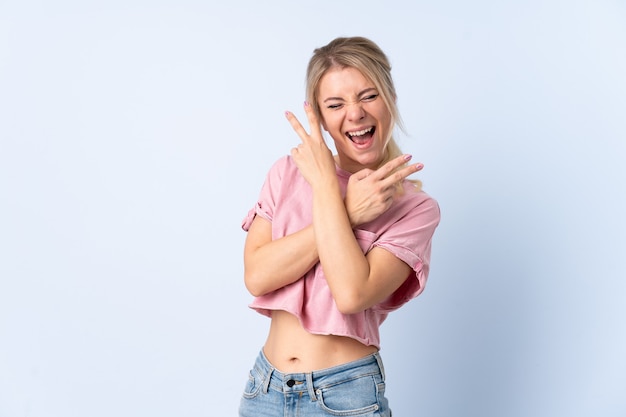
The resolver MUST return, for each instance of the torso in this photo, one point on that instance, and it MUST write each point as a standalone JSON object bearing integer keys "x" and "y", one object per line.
{"x": 291, "y": 349}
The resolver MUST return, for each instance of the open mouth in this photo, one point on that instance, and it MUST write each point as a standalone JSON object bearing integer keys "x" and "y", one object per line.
{"x": 361, "y": 137}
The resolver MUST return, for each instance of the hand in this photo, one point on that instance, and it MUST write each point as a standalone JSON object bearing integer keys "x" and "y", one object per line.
{"x": 370, "y": 193}
{"x": 312, "y": 157}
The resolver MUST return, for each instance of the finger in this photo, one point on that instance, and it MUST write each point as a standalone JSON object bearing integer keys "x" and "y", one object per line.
{"x": 392, "y": 165}
{"x": 297, "y": 126}
{"x": 314, "y": 123}
{"x": 396, "y": 163}
{"x": 401, "y": 174}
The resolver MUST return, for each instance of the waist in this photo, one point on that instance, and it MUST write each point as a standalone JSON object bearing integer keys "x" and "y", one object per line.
{"x": 317, "y": 380}
{"x": 291, "y": 348}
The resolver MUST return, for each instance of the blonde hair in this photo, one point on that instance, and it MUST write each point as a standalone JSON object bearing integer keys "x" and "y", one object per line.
{"x": 367, "y": 57}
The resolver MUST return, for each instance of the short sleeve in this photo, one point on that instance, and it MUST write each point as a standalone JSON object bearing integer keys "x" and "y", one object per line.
{"x": 266, "y": 203}
{"x": 410, "y": 239}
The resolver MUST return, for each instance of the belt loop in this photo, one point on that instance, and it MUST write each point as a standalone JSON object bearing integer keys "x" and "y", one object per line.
{"x": 379, "y": 360}
{"x": 310, "y": 387}
{"x": 266, "y": 383}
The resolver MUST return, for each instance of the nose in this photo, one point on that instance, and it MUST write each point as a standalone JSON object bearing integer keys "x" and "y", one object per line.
{"x": 355, "y": 111}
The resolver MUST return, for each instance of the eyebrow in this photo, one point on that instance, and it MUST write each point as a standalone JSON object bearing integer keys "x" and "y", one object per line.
{"x": 367, "y": 90}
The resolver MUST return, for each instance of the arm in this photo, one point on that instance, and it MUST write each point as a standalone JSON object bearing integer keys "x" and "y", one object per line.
{"x": 356, "y": 281}
{"x": 272, "y": 264}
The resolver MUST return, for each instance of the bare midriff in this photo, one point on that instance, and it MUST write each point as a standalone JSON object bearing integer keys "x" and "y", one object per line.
{"x": 291, "y": 349}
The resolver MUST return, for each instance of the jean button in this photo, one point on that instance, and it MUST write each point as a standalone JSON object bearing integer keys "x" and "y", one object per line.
{"x": 291, "y": 383}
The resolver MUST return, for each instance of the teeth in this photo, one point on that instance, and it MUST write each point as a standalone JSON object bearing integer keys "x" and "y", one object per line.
{"x": 360, "y": 132}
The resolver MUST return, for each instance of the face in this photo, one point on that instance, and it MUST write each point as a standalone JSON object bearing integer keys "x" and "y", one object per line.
{"x": 355, "y": 116}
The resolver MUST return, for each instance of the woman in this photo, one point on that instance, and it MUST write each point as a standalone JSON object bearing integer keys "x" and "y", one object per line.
{"x": 335, "y": 243}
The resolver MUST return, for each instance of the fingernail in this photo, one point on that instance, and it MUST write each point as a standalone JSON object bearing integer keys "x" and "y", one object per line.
{"x": 287, "y": 113}
{"x": 306, "y": 104}
{"x": 408, "y": 157}
{"x": 419, "y": 166}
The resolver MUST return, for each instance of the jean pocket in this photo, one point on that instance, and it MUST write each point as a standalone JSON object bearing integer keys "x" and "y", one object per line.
{"x": 253, "y": 385}
{"x": 355, "y": 397}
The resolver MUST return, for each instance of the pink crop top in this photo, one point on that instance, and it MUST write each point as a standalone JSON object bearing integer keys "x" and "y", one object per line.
{"x": 406, "y": 230}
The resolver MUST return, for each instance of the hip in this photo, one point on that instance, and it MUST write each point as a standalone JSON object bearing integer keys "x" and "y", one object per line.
{"x": 356, "y": 388}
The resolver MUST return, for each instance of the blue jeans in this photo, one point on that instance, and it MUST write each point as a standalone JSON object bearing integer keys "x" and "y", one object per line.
{"x": 353, "y": 389}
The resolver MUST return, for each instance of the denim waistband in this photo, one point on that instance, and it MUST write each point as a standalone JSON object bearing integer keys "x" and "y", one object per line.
{"x": 311, "y": 381}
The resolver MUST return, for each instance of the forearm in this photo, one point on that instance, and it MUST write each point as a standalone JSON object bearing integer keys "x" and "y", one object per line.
{"x": 345, "y": 266}
{"x": 279, "y": 262}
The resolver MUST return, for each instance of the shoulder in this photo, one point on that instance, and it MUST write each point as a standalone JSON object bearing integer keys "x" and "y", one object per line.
{"x": 414, "y": 210}
{"x": 284, "y": 166}
{"x": 284, "y": 177}
{"x": 417, "y": 199}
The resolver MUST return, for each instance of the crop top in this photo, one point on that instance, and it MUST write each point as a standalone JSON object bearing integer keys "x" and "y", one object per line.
{"x": 405, "y": 229}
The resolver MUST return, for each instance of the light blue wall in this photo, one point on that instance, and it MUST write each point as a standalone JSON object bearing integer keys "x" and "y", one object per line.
{"x": 135, "y": 135}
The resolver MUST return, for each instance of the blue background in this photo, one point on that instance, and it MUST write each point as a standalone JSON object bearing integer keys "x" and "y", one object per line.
{"x": 135, "y": 135}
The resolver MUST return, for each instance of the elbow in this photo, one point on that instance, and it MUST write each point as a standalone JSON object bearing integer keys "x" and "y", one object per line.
{"x": 254, "y": 285}
{"x": 254, "y": 291}
{"x": 350, "y": 304}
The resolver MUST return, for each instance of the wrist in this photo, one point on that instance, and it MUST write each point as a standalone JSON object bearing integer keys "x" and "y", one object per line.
{"x": 352, "y": 219}
{"x": 326, "y": 186}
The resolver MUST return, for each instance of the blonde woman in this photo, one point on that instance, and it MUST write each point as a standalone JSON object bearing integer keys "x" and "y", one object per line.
{"x": 335, "y": 243}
